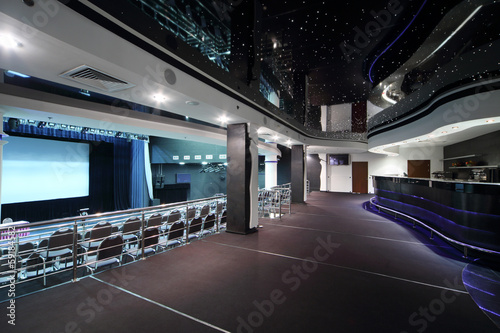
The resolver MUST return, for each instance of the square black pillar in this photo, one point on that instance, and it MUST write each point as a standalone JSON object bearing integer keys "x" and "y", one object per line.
{"x": 239, "y": 179}
{"x": 297, "y": 174}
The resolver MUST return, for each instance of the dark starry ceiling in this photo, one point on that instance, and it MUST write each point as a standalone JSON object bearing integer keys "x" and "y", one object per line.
{"x": 336, "y": 43}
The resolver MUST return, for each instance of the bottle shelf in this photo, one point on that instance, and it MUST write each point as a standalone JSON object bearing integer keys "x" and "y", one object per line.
{"x": 459, "y": 157}
{"x": 475, "y": 167}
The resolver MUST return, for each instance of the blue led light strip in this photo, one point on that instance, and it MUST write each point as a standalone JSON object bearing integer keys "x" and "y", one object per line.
{"x": 433, "y": 230}
{"x": 388, "y": 47}
{"x": 438, "y": 204}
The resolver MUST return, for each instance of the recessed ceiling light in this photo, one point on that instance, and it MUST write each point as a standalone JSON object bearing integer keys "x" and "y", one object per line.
{"x": 192, "y": 103}
{"x": 444, "y": 132}
{"x": 8, "y": 41}
{"x": 160, "y": 97}
{"x": 454, "y": 127}
{"x": 223, "y": 119}
{"x": 490, "y": 120}
{"x": 204, "y": 163}
{"x": 182, "y": 163}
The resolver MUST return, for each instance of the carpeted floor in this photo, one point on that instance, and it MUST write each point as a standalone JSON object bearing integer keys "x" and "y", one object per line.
{"x": 330, "y": 266}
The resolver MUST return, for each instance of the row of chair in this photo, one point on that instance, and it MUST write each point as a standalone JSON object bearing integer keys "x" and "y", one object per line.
{"x": 105, "y": 244}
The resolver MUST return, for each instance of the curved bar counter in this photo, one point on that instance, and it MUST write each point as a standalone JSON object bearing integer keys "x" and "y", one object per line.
{"x": 467, "y": 213}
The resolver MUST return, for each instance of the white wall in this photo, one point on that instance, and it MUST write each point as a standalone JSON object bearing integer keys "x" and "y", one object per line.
{"x": 339, "y": 178}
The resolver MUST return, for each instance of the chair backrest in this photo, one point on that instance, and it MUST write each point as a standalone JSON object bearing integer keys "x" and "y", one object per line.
{"x": 205, "y": 210}
{"x": 195, "y": 225}
{"x": 209, "y": 222}
{"x": 101, "y": 230}
{"x": 110, "y": 247}
{"x": 191, "y": 213}
{"x": 151, "y": 236}
{"x": 43, "y": 244}
{"x": 25, "y": 249}
{"x": 61, "y": 238}
{"x": 34, "y": 262}
{"x": 220, "y": 205}
{"x": 176, "y": 231}
{"x": 173, "y": 217}
{"x": 132, "y": 225}
{"x": 154, "y": 220}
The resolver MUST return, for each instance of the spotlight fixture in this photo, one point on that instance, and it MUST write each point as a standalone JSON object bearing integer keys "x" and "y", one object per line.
{"x": 51, "y": 124}
{"x": 490, "y": 120}
{"x": 85, "y": 130}
{"x": 41, "y": 124}
{"x": 223, "y": 119}
{"x": 118, "y": 134}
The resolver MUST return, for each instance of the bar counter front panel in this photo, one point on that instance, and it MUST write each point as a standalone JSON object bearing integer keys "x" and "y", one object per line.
{"x": 464, "y": 211}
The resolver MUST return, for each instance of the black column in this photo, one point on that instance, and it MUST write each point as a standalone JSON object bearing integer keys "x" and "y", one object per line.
{"x": 298, "y": 168}
{"x": 239, "y": 170}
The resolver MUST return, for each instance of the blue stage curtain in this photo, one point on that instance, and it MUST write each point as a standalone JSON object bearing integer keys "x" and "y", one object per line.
{"x": 121, "y": 169}
{"x": 139, "y": 196}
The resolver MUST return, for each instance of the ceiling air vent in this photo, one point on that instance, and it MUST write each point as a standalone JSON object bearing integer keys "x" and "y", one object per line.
{"x": 95, "y": 78}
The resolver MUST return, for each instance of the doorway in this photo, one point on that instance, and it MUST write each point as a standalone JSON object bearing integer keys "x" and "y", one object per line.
{"x": 419, "y": 168}
{"x": 360, "y": 177}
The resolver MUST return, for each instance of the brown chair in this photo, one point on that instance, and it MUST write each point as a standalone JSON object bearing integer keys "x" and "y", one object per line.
{"x": 194, "y": 228}
{"x": 60, "y": 246}
{"x": 109, "y": 252}
{"x": 175, "y": 235}
{"x": 209, "y": 225}
{"x": 131, "y": 230}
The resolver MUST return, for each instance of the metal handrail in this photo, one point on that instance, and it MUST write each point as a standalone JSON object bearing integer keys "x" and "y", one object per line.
{"x": 78, "y": 253}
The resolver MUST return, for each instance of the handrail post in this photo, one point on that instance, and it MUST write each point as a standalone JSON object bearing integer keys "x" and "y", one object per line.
{"x": 16, "y": 251}
{"x": 217, "y": 222}
{"x": 186, "y": 226}
{"x": 279, "y": 201}
{"x": 142, "y": 234}
{"x": 75, "y": 250}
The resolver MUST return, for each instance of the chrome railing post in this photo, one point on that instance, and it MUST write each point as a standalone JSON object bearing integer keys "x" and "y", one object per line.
{"x": 279, "y": 201}
{"x": 217, "y": 224}
{"x": 143, "y": 223}
{"x": 186, "y": 227}
{"x": 75, "y": 250}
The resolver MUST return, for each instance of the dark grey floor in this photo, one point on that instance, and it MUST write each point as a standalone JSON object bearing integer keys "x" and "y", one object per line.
{"x": 331, "y": 266}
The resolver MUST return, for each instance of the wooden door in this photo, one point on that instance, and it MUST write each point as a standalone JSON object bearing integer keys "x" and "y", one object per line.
{"x": 419, "y": 168}
{"x": 360, "y": 177}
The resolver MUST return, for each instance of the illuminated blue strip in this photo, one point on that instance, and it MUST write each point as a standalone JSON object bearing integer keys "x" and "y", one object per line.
{"x": 438, "y": 204}
{"x": 376, "y": 59}
{"x": 483, "y": 277}
{"x": 476, "y": 288}
{"x": 487, "y": 310}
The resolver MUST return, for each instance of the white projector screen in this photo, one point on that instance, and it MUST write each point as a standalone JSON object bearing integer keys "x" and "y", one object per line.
{"x": 38, "y": 169}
